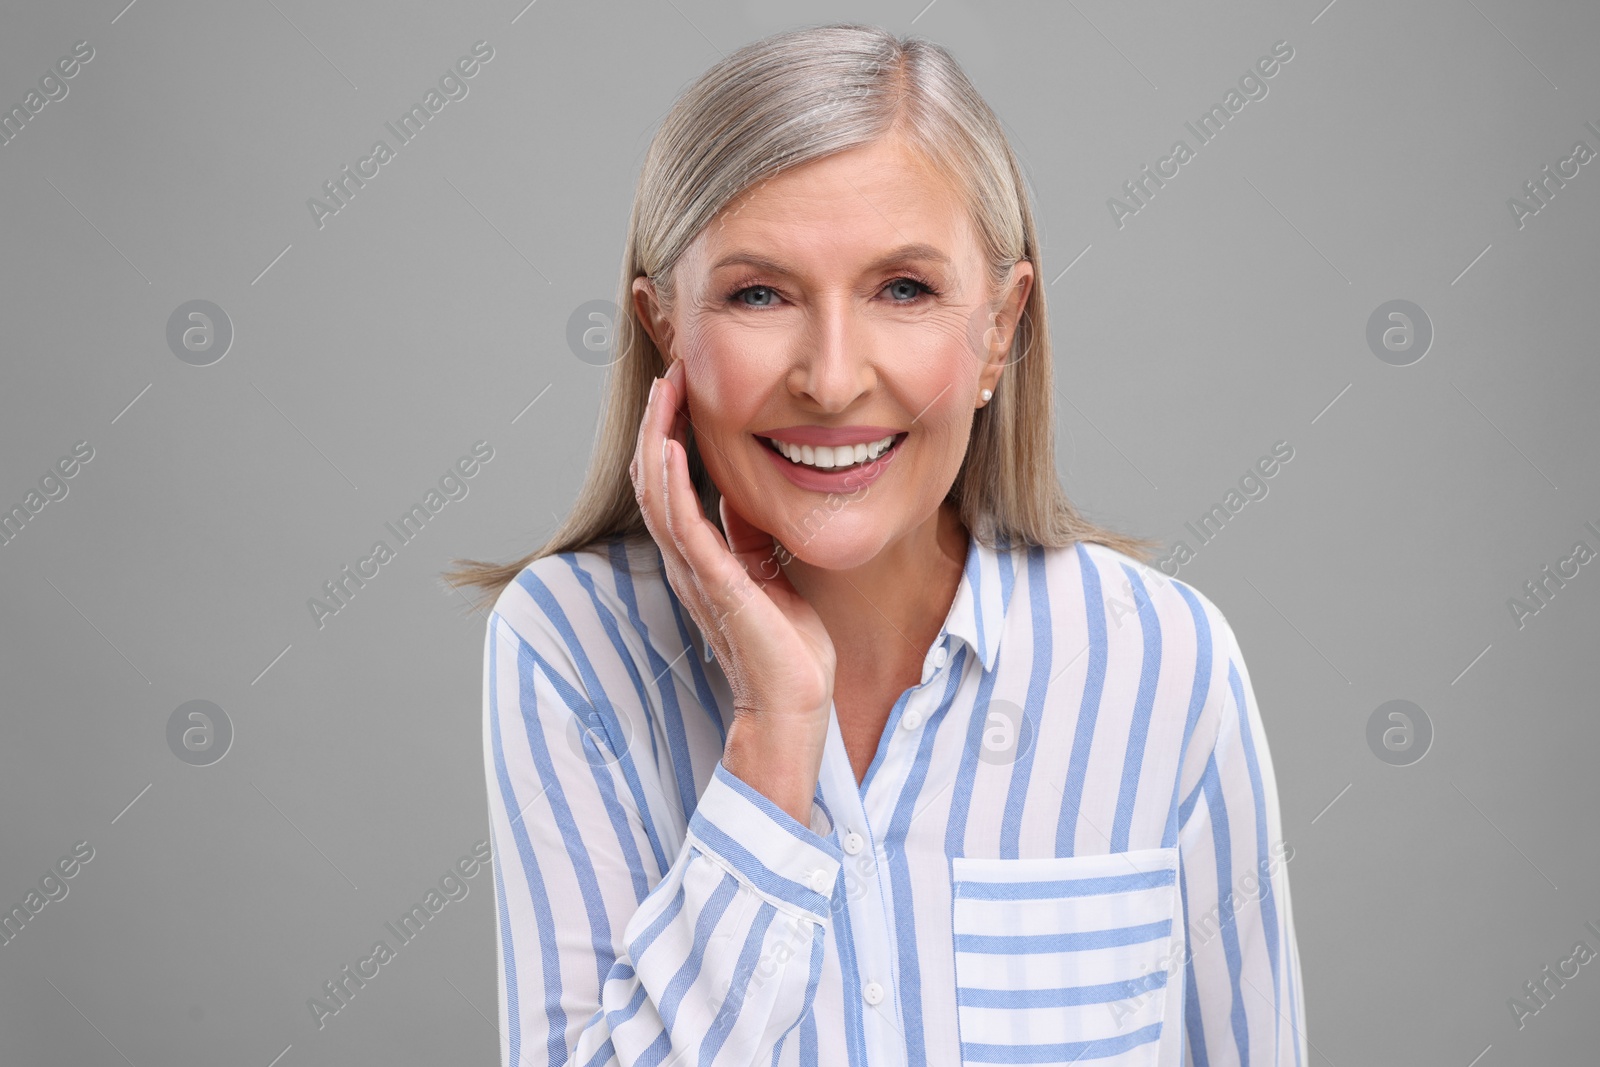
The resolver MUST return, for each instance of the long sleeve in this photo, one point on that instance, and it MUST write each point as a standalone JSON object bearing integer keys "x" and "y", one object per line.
{"x": 605, "y": 958}
{"x": 1242, "y": 972}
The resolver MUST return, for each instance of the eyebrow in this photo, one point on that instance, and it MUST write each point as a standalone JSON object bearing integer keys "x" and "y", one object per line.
{"x": 916, "y": 251}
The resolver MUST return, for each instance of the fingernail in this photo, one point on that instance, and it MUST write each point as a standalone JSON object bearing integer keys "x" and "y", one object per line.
{"x": 653, "y": 386}
{"x": 664, "y": 442}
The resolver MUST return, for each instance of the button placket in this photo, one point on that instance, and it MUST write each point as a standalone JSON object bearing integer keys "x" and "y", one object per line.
{"x": 865, "y": 898}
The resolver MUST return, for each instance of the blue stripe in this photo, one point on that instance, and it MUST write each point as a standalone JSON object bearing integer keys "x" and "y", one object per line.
{"x": 1065, "y": 887}
{"x": 1217, "y": 811}
{"x": 1066, "y": 1051}
{"x": 955, "y": 836}
{"x": 1065, "y": 997}
{"x": 705, "y": 923}
{"x": 1197, "y": 700}
{"x": 1033, "y": 705}
{"x": 647, "y": 937}
{"x": 1093, "y": 686}
{"x": 617, "y": 1016}
{"x": 1139, "y": 729}
{"x": 765, "y": 879}
{"x": 1075, "y": 941}
{"x": 808, "y": 1015}
{"x": 855, "y": 1038}
{"x": 1269, "y": 905}
{"x": 656, "y": 1052}
{"x": 743, "y": 970}
{"x": 604, "y": 1054}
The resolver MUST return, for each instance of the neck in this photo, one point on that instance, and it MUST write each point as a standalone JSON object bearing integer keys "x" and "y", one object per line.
{"x": 887, "y": 611}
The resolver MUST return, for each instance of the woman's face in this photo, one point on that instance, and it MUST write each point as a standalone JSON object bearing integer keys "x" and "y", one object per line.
{"x": 839, "y": 304}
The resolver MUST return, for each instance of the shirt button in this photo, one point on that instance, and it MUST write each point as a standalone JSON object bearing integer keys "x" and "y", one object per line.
{"x": 940, "y": 656}
{"x": 912, "y": 720}
{"x": 819, "y": 880}
{"x": 872, "y": 993}
{"x": 852, "y": 842}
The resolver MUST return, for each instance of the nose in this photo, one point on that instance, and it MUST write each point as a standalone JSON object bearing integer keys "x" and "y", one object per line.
{"x": 835, "y": 364}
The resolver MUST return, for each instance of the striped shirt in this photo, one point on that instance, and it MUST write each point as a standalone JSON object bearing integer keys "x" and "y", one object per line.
{"x": 1066, "y": 849}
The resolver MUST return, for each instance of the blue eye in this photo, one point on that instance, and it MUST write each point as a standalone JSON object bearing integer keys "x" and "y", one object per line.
{"x": 916, "y": 285}
{"x": 754, "y": 289}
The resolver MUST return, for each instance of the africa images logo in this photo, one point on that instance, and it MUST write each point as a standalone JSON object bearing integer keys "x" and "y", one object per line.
{"x": 452, "y": 86}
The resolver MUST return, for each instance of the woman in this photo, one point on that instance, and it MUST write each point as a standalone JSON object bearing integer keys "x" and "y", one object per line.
{"x": 894, "y": 758}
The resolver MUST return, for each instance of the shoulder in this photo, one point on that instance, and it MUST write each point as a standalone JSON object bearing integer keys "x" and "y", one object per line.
{"x": 1176, "y": 606}
{"x": 574, "y": 598}
{"x": 1156, "y": 613}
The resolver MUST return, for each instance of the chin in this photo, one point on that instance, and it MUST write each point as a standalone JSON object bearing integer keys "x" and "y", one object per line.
{"x": 829, "y": 557}
{"x": 833, "y": 541}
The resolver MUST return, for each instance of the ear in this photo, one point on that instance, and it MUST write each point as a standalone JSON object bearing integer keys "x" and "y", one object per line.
{"x": 1006, "y": 317}
{"x": 652, "y": 316}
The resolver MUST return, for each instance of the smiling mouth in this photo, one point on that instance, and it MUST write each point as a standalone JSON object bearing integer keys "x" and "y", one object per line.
{"x": 835, "y": 458}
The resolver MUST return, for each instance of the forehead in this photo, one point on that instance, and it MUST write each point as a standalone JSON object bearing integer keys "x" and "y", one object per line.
{"x": 845, "y": 207}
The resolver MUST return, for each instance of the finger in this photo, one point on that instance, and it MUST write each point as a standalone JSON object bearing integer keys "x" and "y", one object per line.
{"x": 675, "y": 398}
{"x": 686, "y": 521}
{"x": 722, "y": 578}
{"x": 750, "y": 544}
{"x": 641, "y": 470}
{"x": 647, "y": 475}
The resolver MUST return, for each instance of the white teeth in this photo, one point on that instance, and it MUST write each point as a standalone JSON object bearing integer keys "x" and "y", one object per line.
{"x": 824, "y": 457}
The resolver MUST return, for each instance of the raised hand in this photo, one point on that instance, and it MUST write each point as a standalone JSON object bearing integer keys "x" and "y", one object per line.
{"x": 771, "y": 644}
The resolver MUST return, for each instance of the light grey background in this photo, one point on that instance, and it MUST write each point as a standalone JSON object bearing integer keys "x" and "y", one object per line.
{"x": 369, "y": 355}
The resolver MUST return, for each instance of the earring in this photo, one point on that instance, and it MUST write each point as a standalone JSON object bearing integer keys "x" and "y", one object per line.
{"x": 986, "y": 394}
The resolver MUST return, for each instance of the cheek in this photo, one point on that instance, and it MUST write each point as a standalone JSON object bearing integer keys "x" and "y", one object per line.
{"x": 939, "y": 392}
{"x": 947, "y": 429}
{"x": 940, "y": 385}
{"x": 724, "y": 395}
{"x": 727, "y": 380}
{"x": 945, "y": 354}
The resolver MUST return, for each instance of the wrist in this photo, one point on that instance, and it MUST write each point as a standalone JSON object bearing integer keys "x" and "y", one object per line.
{"x": 779, "y": 760}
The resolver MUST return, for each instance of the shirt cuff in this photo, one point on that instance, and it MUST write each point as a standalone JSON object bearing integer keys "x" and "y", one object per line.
{"x": 789, "y": 863}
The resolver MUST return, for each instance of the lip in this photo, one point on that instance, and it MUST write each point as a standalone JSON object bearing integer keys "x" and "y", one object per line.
{"x": 829, "y": 435}
{"x": 850, "y": 480}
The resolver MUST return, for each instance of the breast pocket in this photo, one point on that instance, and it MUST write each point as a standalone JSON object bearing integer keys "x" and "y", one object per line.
{"x": 1065, "y": 960}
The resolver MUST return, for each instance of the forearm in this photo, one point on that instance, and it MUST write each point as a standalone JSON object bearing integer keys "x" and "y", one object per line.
{"x": 779, "y": 758}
